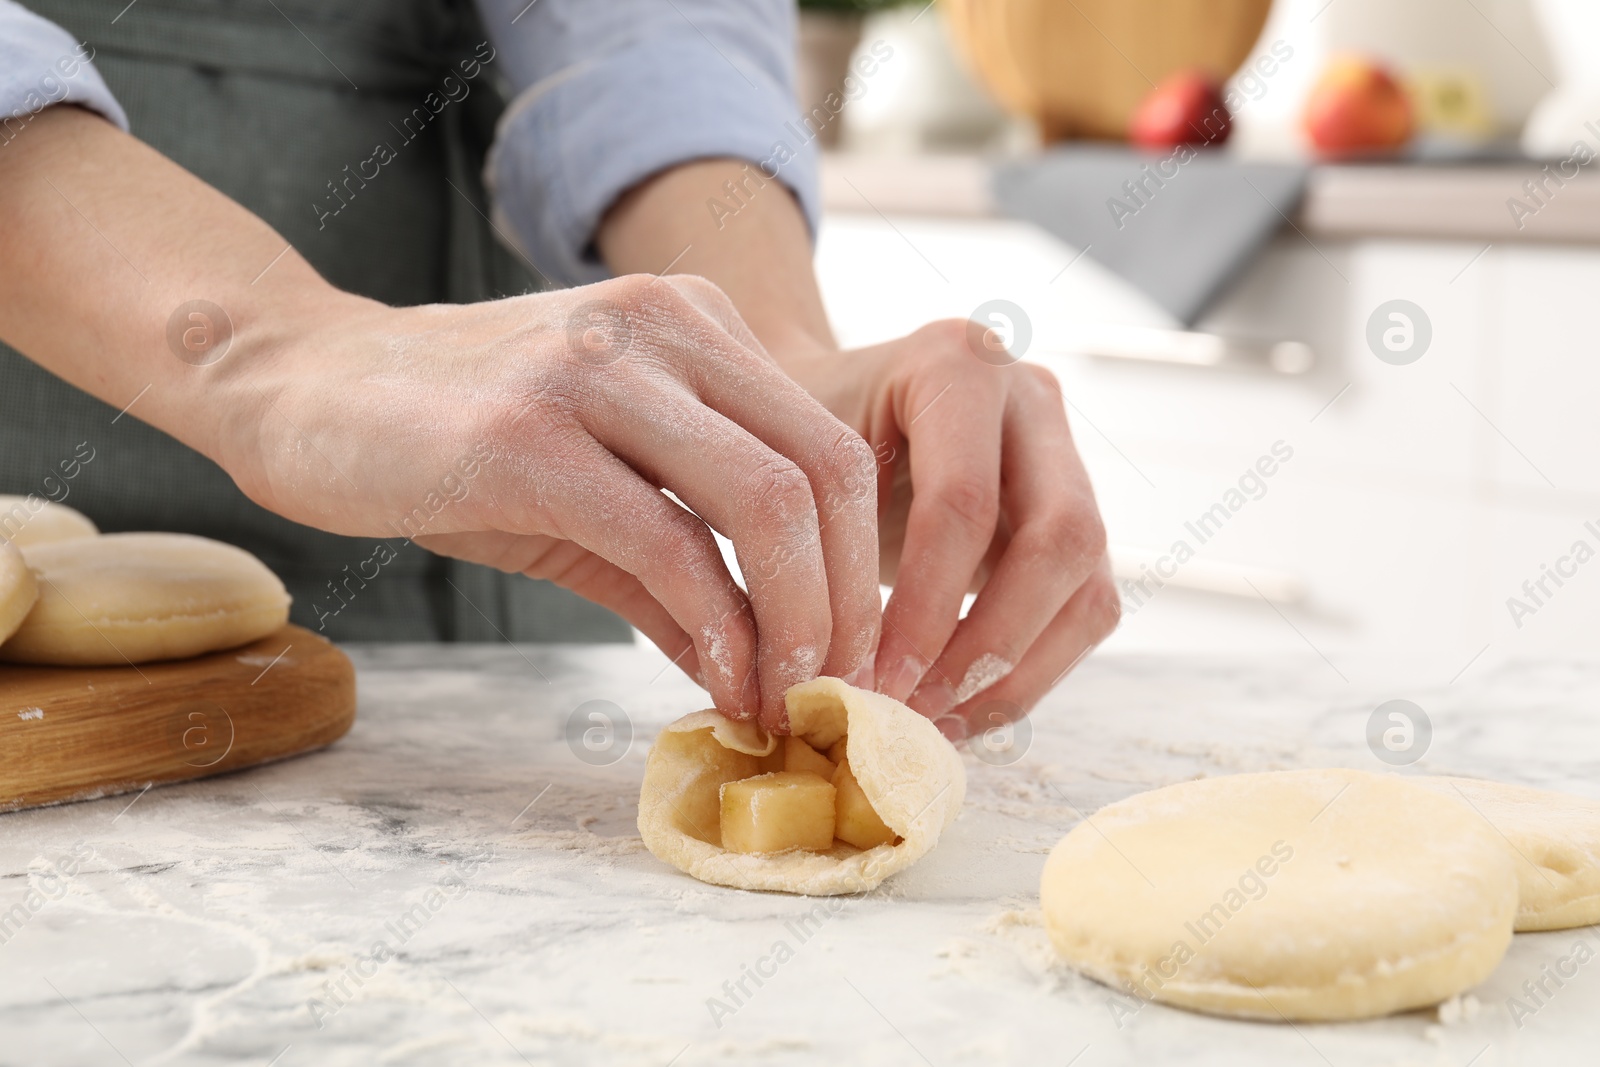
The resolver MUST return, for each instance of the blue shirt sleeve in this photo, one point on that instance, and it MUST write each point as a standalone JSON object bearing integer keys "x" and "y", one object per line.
{"x": 610, "y": 92}
{"x": 40, "y": 65}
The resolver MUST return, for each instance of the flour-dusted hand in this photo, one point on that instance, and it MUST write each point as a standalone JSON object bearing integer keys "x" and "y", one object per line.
{"x": 981, "y": 487}
{"x": 350, "y": 416}
{"x": 986, "y": 494}
{"x": 591, "y": 401}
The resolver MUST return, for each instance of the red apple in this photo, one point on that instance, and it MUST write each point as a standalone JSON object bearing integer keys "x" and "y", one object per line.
{"x": 1357, "y": 108}
{"x": 1185, "y": 108}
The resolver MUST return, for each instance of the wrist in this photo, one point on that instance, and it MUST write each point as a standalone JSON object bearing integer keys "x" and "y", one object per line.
{"x": 301, "y": 335}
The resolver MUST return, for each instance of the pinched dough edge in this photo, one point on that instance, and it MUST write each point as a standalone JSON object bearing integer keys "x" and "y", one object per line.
{"x": 909, "y": 772}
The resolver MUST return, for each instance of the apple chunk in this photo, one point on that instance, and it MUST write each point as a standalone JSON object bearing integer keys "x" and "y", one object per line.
{"x": 799, "y": 756}
{"x": 857, "y": 822}
{"x": 774, "y": 760}
{"x": 777, "y": 812}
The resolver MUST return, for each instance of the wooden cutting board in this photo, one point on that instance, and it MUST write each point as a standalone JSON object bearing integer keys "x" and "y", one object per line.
{"x": 76, "y": 733}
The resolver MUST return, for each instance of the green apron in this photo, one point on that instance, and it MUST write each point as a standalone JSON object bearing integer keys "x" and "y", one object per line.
{"x": 271, "y": 102}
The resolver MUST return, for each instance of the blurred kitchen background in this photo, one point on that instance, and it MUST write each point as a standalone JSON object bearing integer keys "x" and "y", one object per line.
{"x": 1245, "y": 297}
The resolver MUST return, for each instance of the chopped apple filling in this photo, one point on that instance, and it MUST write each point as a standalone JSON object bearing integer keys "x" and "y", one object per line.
{"x": 856, "y": 822}
{"x": 778, "y": 811}
{"x": 775, "y": 761}
{"x": 799, "y": 756}
{"x": 800, "y": 799}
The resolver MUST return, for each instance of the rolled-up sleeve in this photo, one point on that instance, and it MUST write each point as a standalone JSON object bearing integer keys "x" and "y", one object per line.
{"x": 40, "y": 65}
{"x": 610, "y": 92}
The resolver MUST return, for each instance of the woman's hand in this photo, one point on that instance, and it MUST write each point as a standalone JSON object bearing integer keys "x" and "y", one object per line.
{"x": 588, "y": 402}
{"x": 981, "y": 487}
{"x": 981, "y": 490}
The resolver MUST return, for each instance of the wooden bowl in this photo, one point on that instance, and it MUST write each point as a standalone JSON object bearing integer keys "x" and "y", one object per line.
{"x": 1080, "y": 67}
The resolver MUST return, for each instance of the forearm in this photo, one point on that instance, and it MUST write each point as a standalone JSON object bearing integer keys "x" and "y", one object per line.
{"x": 102, "y": 240}
{"x": 754, "y": 245}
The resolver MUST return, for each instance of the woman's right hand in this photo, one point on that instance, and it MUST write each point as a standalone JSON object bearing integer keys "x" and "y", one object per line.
{"x": 588, "y": 402}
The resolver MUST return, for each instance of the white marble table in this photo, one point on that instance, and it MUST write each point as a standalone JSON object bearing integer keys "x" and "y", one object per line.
{"x": 223, "y": 921}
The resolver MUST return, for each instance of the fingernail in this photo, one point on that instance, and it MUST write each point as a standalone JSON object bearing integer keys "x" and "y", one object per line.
{"x": 953, "y": 727}
{"x": 933, "y": 699}
{"x": 861, "y": 677}
{"x": 901, "y": 679}
{"x": 750, "y": 695}
{"x": 776, "y": 722}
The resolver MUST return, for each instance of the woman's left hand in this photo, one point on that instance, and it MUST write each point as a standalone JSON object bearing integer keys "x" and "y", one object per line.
{"x": 980, "y": 490}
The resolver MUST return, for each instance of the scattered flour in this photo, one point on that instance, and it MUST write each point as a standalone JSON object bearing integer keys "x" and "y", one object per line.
{"x": 1022, "y": 930}
{"x": 1461, "y": 1008}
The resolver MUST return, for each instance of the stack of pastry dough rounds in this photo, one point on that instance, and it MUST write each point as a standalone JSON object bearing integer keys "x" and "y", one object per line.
{"x": 1313, "y": 894}
{"x": 33, "y": 520}
{"x": 137, "y": 597}
{"x": 1555, "y": 843}
{"x": 910, "y": 774}
{"x": 18, "y": 590}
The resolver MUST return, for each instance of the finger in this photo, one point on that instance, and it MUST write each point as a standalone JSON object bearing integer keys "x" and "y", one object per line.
{"x": 576, "y": 568}
{"x": 706, "y": 297}
{"x": 611, "y": 587}
{"x": 730, "y": 372}
{"x": 953, "y": 425}
{"x": 1056, "y": 542}
{"x": 1086, "y": 620}
{"x": 613, "y": 512}
{"x": 759, "y": 499}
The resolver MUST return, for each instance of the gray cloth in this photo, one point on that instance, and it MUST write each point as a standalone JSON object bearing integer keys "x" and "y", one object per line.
{"x": 231, "y": 90}
{"x": 1179, "y": 226}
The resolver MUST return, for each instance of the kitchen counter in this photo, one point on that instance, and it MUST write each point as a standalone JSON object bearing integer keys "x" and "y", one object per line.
{"x": 451, "y": 883}
{"x": 1459, "y": 202}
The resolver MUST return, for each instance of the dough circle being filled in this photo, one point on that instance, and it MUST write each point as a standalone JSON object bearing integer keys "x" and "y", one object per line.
{"x": 911, "y": 775}
{"x": 18, "y": 590}
{"x": 1313, "y": 894}
{"x": 1555, "y": 844}
{"x": 137, "y": 597}
{"x": 32, "y": 520}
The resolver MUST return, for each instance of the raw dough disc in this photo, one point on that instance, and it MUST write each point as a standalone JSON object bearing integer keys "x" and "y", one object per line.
{"x": 18, "y": 590}
{"x": 32, "y": 520}
{"x": 1555, "y": 841}
{"x": 136, "y": 597}
{"x": 1314, "y": 894}
{"x": 909, "y": 772}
